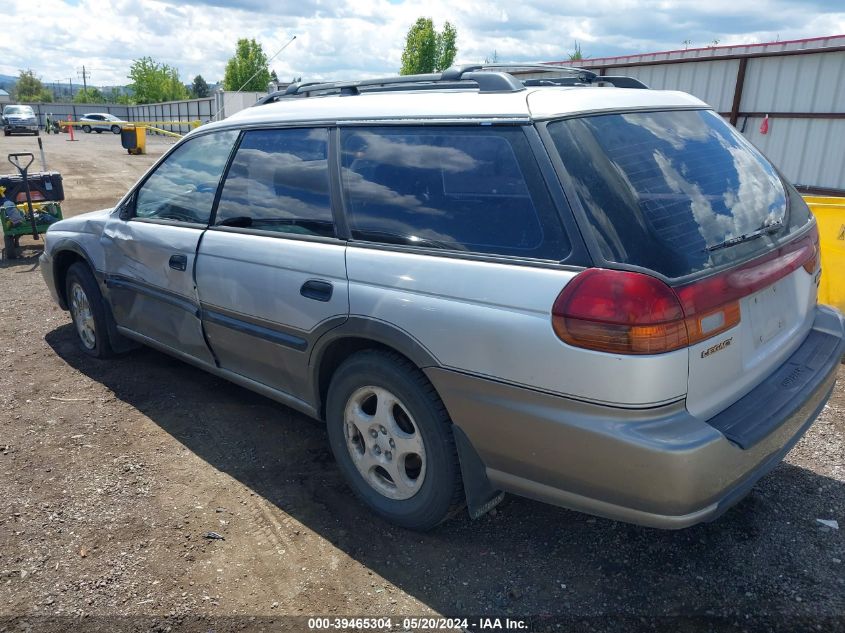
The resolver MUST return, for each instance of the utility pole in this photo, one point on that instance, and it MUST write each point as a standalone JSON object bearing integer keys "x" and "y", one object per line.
{"x": 85, "y": 76}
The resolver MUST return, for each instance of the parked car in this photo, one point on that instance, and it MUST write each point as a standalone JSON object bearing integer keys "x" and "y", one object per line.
{"x": 101, "y": 122}
{"x": 19, "y": 119}
{"x": 604, "y": 299}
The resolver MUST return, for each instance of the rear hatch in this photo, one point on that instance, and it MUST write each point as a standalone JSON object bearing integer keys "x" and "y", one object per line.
{"x": 682, "y": 196}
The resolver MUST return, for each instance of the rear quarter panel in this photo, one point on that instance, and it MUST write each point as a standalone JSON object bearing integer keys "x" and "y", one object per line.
{"x": 493, "y": 320}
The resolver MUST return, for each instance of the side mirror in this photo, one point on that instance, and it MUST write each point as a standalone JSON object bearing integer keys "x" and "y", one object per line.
{"x": 127, "y": 208}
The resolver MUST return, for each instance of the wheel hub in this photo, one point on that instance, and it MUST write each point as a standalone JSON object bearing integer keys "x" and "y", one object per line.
{"x": 83, "y": 318}
{"x": 385, "y": 443}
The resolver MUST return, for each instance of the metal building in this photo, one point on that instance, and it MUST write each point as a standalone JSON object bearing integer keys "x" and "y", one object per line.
{"x": 799, "y": 84}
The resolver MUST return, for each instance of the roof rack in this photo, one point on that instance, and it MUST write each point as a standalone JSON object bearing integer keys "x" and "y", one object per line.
{"x": 485, "y": 77}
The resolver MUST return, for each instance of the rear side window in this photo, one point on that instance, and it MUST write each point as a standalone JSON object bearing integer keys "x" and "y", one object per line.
{"x": 468, "y": 189}
{"x": 279, "y": 181}
{"x": 674, "y": 192}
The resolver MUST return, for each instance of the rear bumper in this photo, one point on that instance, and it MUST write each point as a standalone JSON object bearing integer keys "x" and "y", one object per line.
{"x": 657, "y": 467}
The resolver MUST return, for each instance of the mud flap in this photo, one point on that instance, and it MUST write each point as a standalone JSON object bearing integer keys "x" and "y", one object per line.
{"x": 119, "y": 343}
{"x": 481, "y": 496}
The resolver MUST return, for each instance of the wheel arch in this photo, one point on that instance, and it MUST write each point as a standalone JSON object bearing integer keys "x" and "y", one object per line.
{"x": 361, "y": 333}
{"x": 354, "y": 335}
{"x": 65, "y": 254}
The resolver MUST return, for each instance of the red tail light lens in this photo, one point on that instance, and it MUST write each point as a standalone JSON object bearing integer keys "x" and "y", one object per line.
{"x": 812, "y": 264}
{"x": 631, "y": 313}
{"x": 619, "y": 312}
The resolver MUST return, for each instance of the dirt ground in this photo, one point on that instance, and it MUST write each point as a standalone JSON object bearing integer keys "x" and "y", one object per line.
{"x": 111, "y": 473}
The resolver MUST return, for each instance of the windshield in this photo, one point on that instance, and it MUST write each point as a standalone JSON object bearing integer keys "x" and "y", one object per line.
{"x": 676, "y": 192}
{"x": 18, "y": 110}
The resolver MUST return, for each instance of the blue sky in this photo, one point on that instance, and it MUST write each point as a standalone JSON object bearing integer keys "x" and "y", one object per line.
{"x": 360, "y": 38}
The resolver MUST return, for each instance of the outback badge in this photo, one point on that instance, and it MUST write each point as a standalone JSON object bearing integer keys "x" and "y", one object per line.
{"x": 718, "y": 347}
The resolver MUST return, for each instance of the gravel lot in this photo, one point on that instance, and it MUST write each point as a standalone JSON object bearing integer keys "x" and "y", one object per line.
{"x": 112, "y": 472}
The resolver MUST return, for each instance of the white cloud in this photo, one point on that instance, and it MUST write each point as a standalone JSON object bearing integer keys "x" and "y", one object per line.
{"x": 365, "y": 37}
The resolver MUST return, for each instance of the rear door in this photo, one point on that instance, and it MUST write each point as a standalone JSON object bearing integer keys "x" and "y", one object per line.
{"x": 271, "y": 273}
{"x": 682, "y": 194}
{"x": 150, "y": 250}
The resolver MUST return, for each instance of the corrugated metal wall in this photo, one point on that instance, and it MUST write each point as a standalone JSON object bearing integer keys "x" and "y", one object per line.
{"x": 781, "y": 79}
{"x": 715, "y": 79}
{"x": 189, "y": 110}
{"x": 222, "y": 104}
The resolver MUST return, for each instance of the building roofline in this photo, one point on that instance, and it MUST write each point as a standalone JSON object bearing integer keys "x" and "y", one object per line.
{"x": 715, "y": 49}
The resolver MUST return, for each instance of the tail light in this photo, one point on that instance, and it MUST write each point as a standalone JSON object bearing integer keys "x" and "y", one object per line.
{"x": 619, "y": 312}
{"x": 811, "y": 265}
{"x": 625, "y": 312}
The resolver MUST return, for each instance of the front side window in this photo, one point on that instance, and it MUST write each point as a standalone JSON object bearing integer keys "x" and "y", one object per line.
{"x": 473, "y": 189}
{"x": 182, "y": 188}
{"x": 279, "y": 181}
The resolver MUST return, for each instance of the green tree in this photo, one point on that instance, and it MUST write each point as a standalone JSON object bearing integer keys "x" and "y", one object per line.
{"x": 30, "y": 88}
{"x": 89, "y": 95}
{"x": 199, "y": 88}
{"x": 247, "y": 69}
{"x": 446, "y": 46}
{"x": 426, "y": 50}
{"x": 576, "y": 54}
{"x": 153, "y": 82}
{"x": 274, "y": 77}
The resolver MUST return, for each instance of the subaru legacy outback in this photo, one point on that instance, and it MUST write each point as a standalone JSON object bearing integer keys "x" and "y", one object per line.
{"x": 574, "y": 289}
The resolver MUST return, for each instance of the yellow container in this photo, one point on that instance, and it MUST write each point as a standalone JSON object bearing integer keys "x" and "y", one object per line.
{"x": 830, "y": 215}
{"x": 134, "y": 139}
{"x": 811, "y": 200}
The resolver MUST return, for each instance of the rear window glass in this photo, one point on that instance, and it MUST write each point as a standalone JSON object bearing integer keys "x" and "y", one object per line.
{"x": 468, "y": 189}
{"x": 674, "y": 192}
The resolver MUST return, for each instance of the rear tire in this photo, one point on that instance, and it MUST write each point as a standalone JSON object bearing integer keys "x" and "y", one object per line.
{"x": 86, "y": 129}
{"x": 392, "y": 439}
{"x": 87, "y": 311}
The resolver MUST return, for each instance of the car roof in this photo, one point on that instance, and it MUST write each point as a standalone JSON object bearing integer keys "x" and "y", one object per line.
{"x": 410, "y": 105}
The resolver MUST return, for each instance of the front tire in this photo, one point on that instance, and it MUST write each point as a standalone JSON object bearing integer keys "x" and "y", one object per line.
{"x": 392, "y": 439}
{"x": 115, "y": 129}
{"x": 87, "y": 311}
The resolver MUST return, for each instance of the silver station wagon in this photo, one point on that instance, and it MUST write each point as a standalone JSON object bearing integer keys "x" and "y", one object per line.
{"x": 573, "y": 289}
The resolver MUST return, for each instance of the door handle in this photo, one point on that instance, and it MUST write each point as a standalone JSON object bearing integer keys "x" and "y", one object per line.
{"x": 317, "y": 290}
{"x": 178, "y": 262}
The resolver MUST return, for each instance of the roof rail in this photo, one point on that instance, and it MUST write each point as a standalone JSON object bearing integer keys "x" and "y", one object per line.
{"x": 486, "y": 77}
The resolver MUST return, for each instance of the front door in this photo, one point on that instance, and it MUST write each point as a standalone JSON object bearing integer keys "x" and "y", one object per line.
{"x": 150, "y": 249}
{"x": 271, "y": 272}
